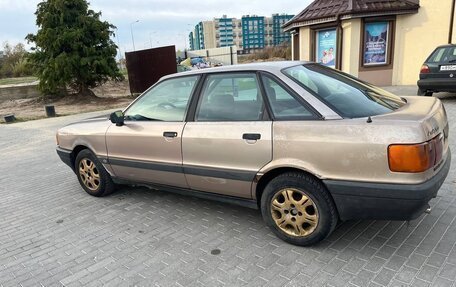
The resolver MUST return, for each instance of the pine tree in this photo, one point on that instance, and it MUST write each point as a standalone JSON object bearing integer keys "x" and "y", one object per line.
{"x": 73, "y": 48}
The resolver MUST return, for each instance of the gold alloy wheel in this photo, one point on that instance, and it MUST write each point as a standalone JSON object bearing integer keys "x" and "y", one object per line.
{"x": 89, "y": 174}
{"x": 294, "y": 212}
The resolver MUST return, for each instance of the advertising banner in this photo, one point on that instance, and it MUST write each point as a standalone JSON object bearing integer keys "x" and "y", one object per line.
{"x": 375, "y": 43}
{"x": 326, "y": 47}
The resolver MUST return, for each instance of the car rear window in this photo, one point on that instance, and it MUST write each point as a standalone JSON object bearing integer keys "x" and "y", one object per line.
{"x": 437, "y": 55}
{"x": 345, "y": 94}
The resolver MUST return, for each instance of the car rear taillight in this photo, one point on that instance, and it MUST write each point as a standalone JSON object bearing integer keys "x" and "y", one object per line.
{"x": 425, "y": 69}
{"x": 415, "y": 157}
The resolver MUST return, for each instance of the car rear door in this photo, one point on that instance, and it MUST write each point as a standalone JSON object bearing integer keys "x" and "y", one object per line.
{"x": 230, "y": 139}
{"x": 147, "y": 148}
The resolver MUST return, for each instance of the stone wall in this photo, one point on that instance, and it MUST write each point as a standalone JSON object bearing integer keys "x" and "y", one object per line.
{"x": 15, "y": 92}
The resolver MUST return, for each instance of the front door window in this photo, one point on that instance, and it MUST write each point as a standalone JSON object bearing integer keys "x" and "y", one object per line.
{"x": 167, "y": 101}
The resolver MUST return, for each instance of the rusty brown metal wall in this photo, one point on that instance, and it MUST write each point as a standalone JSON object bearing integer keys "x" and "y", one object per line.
{"x": 146, "y": 67}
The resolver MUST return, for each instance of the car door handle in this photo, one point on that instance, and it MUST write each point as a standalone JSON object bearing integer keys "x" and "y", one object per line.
{"x": 170, "y": 134}
{"x": 251, "y": 137}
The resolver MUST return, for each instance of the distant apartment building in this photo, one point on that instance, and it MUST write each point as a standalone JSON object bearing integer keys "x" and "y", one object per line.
{"x": 253, "y": 36}
{"x": 199, "y": 36}
{"x": 278, "y": 35}
{"x": 250, "y": 33}
{"x": 209, "y": 34}
{"x": 224, "y": 31}
{"x": 191, "y": 41}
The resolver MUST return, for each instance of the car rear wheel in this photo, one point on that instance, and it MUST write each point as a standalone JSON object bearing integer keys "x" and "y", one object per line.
{"x": 298, "y": 209}
{"x": 424, "y": 93}
{"x": 92, "y": 175}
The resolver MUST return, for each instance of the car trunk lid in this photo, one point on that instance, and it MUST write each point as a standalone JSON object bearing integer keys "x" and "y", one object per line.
{"x": 431, "y": 116}
{"x": 429, "y": 111}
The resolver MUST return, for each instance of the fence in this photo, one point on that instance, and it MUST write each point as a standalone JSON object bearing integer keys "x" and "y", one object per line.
{"x": 224, "y": 55}
{"x": 146, "y": 67}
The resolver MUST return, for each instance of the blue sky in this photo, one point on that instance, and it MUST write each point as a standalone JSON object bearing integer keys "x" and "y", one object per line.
{"x": 161, "y": 22}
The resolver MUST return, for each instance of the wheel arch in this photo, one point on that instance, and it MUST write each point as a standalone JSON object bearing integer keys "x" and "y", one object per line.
{"x": 76, "y": 150}
{"x": 273, "y": 173}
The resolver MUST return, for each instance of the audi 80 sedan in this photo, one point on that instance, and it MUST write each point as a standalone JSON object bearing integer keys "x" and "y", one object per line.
{"x": 306, "y": 144}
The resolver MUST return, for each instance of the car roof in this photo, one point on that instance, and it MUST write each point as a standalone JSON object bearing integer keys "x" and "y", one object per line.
{"x": 272, "y": 67}
{"x": 446, "y": 45}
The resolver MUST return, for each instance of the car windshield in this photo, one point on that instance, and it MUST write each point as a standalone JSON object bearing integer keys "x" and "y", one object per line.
{"x": 345, "y": 94}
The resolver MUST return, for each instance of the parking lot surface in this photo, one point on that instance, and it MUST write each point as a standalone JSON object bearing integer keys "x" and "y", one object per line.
{"x": 54, "y": 234}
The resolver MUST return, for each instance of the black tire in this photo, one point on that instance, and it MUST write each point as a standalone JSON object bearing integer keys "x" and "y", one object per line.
{"x": 324, "y": 217}
{"x": 96, "y": 181}
{"x": 424, "y": 93}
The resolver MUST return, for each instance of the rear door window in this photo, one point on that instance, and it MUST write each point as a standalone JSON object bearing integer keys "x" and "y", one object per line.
{"x": 283, "y": 104}
{"x": 230, "y": 97}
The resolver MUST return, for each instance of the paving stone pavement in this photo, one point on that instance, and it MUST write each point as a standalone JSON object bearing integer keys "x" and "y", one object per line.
{"x": 54, "y": 234}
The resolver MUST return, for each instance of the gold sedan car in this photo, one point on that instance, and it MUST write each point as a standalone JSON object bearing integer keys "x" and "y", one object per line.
{"x": 305, "y": 144}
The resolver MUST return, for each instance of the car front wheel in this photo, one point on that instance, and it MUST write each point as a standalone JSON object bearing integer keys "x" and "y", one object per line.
{"x": 91, "y": 174}
{"x": 298, "y": 209}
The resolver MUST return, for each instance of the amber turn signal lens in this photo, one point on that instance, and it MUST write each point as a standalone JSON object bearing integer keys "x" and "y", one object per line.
{"x": 411, "y": 158}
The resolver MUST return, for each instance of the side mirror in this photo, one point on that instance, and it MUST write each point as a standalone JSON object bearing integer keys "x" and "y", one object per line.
{"x": 117, "y": 118}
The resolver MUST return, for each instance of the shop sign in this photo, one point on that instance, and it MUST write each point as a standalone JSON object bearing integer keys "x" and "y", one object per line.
{"x": 326, "y": 47}
{"x": 376, "y": 43}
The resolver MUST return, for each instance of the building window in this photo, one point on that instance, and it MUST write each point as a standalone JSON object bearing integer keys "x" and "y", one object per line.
{"x": 326, "y": 47}
{"x": 376, "y": 43}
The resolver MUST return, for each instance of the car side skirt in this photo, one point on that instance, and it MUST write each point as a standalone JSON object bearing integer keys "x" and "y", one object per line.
{"x": 249, "y": 203}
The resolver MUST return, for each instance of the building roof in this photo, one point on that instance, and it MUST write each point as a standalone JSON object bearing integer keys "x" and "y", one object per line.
{"x": 328, "y": 10}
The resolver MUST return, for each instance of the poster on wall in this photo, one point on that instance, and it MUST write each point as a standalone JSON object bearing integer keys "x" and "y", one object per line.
{"x": 326, "y": 47}
{"x": 375, "y": 43}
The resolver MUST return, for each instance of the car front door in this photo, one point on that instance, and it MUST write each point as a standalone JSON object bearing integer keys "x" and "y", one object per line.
{"x": 230, "y": 139}
{"x": 147, "y": 148}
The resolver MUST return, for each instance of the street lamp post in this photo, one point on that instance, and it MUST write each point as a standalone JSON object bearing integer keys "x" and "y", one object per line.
{"x": 150, "y": 38}
{"x": 131, "y": 30}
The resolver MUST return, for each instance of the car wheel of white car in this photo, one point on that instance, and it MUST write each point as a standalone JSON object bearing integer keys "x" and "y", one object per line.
{"x": 298, "y": 208}
{"x": 91, "y": 174}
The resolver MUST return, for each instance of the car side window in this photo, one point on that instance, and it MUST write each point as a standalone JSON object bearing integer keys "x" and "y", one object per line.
{"x": 167, "y": 101}
{"x": 283, "y": 104}
{"x": 230, "y": 97}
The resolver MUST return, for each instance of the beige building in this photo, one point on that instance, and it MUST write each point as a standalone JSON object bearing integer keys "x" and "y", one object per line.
{"x": 381, "y": 41}
{"x": 209, "y": 34}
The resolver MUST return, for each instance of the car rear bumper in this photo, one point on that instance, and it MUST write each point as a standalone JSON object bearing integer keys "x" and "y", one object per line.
{"x": 361, "y": 200}
{"x": 65, "y": 156}
{"x": 438, "y": 85}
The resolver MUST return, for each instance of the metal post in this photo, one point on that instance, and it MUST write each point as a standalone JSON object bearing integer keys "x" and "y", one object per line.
{"x": 450, "y": 36}
{"x": 131, "y": 30}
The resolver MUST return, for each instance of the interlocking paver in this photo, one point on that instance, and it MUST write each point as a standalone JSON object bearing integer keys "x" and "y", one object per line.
{"x": 53, "y": 233}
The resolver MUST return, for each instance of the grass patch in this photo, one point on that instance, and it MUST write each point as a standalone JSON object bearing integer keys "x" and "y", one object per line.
{"x": 15, "y": 81}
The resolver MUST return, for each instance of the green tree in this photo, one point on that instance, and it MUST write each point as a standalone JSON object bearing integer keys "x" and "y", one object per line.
{"x": 13, "y": 62}
{"x": 73, "y": 47}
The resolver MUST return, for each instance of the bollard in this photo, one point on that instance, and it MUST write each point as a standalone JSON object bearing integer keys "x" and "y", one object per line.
{"x": 50, "y": 111}
{"x": 9, "y": 118}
